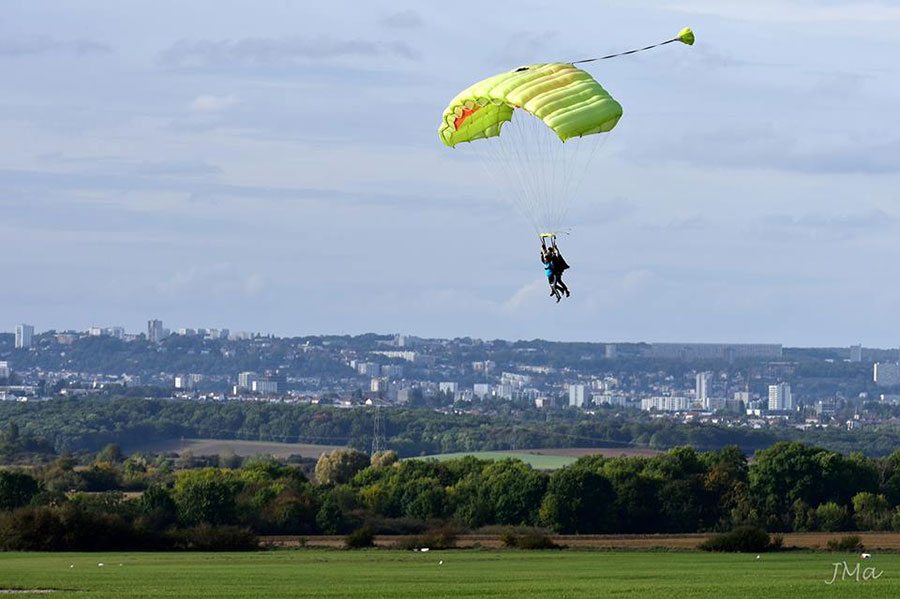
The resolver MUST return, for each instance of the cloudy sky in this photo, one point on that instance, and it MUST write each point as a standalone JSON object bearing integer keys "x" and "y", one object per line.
{"x": 274, "y": 166}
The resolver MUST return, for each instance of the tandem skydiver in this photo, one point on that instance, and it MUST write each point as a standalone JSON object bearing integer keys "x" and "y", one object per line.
{"x": 554, "y": 266}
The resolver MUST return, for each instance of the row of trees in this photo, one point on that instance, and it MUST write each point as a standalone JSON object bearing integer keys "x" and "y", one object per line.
{"x": 788, "y": 487}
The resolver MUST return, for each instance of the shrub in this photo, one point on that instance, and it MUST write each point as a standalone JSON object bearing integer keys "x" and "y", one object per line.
{"x": 409, "y": 543}
{"x": 436, "y": 538}
{"x": 37, "y": 529}
{"x": 206, "y": 537}
{"x": 399, "y": 526}
{"x": 846, "y": 543}
{"x": 360, "y": 538}
{"x": 744, "y": 539}
{"x": 66, "y": 528}
{"x": 528, "y": 540}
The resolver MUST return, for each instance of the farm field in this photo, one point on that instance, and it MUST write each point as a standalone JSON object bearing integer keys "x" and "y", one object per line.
{"x": 539, "y": 461}
{"x": 548, "y": 459}
{"x": 610, "y": 452}
{"x": 200, "y": 447}
{"x": 543, "y": 459}
{"x": 396, "y": 574}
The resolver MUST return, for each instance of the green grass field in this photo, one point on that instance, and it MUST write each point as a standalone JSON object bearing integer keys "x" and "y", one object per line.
{"x": 474, "y": 573}
{"x": 541, "y": 462}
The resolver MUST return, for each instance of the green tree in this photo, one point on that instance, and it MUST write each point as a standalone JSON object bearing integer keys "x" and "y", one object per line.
{"x": 578, "y": 501}
{"x": 788, "y": 472}
{"x": 383, "y": 459}
{"x": 871, "y": 511}
{"x": 514, "y": 491}
{"x": 832, "y": 517}
{"x": 206, "y": 496}
{"x": 156, "y": 503}
{"x": 330, "y": 518}
{"x": 16, "y": 489}
{"x": 339, "y": 466}
{"x": 112, "y": 453}
{"x": 424, "y": 498}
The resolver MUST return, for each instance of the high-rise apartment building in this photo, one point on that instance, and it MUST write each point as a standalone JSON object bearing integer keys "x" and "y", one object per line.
{"x": 24, "y": 334}
{"x": 780, "y": 398}
{"x": 155, "y": 330}
{"x": 245, "y": 380}
{"x": 577, "y": 395}
{"x": 701, "y": 388}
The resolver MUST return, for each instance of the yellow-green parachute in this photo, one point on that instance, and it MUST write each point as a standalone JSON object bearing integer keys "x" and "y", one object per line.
{"x": 537, "y": 129}
{"x": 567, "y": 99}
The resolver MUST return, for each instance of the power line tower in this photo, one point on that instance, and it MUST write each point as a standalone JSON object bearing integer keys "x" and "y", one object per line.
{"x": 377, "y": 432}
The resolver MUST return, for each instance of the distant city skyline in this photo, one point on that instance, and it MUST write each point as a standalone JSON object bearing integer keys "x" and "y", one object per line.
{"x": 156, "y": 329}
{"x": 276, "y": 167}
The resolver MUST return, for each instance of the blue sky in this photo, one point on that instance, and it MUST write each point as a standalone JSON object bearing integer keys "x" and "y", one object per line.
{"x": 274, "y": 166}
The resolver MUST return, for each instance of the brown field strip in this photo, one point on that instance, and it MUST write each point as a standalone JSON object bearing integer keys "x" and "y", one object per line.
{"x": 199, "y": 447}
{"x": 873, "y": 541}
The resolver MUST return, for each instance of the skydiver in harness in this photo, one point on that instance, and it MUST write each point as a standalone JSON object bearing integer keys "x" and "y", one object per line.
{"x": 554, "y": 266}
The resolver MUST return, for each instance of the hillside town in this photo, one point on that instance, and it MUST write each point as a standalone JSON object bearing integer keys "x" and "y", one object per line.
{"x": 740, "y": 385}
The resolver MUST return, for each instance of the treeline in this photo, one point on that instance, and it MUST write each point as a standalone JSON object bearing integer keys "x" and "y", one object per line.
{"x": 91, "y": 424}
{"x": 788, "y": 487}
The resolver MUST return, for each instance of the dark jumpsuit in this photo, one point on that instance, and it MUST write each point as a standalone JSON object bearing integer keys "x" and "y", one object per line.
{"x": 557, "y": 266}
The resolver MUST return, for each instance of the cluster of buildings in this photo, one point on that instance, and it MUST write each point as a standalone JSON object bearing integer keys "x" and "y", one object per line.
{"x": 156, "y": 332}
{"x": 749, "y": 382}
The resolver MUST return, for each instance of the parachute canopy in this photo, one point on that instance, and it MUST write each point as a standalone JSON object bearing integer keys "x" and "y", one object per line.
{"x": 567, "y": 99}
{"x": 520, "y": 120}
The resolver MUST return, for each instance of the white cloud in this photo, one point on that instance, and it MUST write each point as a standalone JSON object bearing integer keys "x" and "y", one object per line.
{"x": 807, "y": 11}
{"x": 211, "y": 103}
